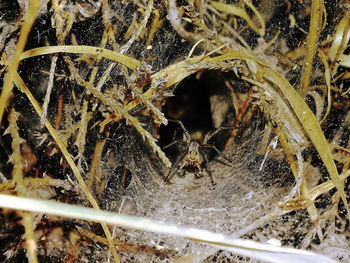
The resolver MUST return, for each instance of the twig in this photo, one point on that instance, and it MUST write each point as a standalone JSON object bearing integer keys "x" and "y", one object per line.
{"x": 48, "y": 89}
{"x": 13, "y": 65}
{"x": 21, "y": 186}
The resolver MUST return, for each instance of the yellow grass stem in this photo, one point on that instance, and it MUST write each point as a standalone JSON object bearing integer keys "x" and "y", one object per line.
{"x": 237, "y": 11}
{"x": 177, "y": 72}
{"x": 21, "y": 187}
{"x": 56, "y": 136}
{"x": 311, "y": 45}
{"x": 327, "y": 76}
{"x": 97, "y": 51}
{"x": 29, "y": 19}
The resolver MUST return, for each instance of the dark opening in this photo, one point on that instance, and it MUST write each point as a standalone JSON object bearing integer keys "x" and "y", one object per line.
{"x": 192, "y": 104}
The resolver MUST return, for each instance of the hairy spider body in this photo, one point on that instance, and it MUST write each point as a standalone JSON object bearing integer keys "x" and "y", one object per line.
{"x": 193, "y": 158}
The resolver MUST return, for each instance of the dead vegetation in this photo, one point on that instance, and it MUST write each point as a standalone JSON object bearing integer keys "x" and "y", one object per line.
{"x": 87, "y": 90}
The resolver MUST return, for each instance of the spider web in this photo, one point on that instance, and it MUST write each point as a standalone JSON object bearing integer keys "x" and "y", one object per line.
{"x": 244, "y": 199}
{"x": 242, "y": 195}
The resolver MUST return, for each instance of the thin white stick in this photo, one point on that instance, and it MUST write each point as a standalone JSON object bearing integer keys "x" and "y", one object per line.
{"x": 243, "y": 247}
{"x": 48, "y": 90}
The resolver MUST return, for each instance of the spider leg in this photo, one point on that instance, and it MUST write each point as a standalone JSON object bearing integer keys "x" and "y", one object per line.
{"x": 183, "y": 172}
{"x": 203, "y": 153}
{"x": 187, "y": 134}
{"x": 198, "y": 175}
{"x": 229, "y": 162}
{"x": 210, "y": 175}
{"x": 175, "y": 166}
{"x": 174, "y": 142}
{"x": 205, "y": 165}
{"x": 210, "y": 134}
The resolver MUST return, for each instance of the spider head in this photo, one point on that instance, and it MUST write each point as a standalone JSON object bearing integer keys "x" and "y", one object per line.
{"x": 193, "y": 155}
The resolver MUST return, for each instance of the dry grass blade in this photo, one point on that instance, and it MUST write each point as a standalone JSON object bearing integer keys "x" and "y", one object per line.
{"x": 127, "y": 247}
{"x": 140, "y": 28}
{"x": 276, "y": 71}
{"x": 317, "y": 7}
{"x": 21, "y": 85}
{"x": 290, "y": 132}
{"x": 97, "y": 51}
{"x": 40, "y": 182}
{"x": 156, "y": 24}
{"x": 234, "y": 10}
{"x": 327, "y": 76}
{"x": 122, "y": 111}
{"x": 13, "y": 65}
{"x": 175, "y": 21}
{"x": 311, "y": 126}
{"x": 48, "y": 89}
{"x": 21, "y": 186}
{"x": 340, "y": 40}
{"x": 249, "y": 248}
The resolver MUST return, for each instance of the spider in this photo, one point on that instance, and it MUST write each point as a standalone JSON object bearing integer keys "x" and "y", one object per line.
{"x": 193, "y": 157}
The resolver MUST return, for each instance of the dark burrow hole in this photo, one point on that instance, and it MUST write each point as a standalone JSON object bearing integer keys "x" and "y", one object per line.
{"x": 202, "y": 103}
